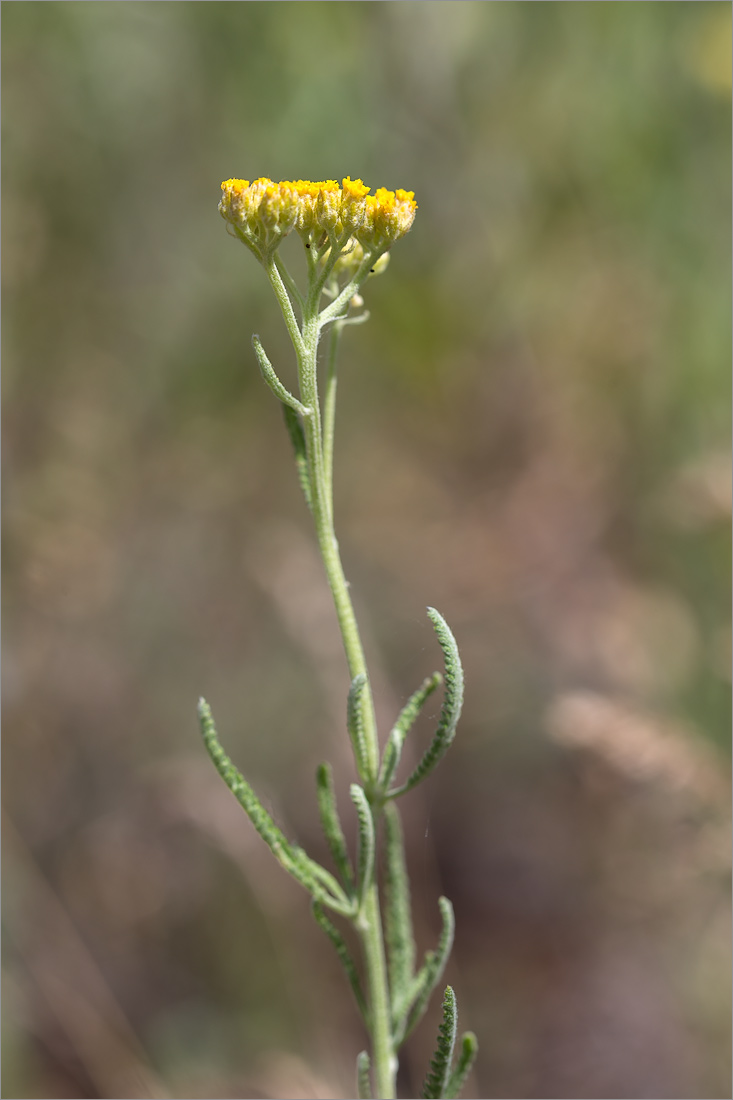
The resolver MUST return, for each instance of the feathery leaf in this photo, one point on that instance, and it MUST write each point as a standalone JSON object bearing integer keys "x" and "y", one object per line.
{"x": 303, "y": 869}
{"x": 464, "y": 1065}
{"x": 451, "y": 710}
{"x": 274, "y": 382}
{"x": 332, "y": 826}
{"x": 355, "y": 722}
{"x": 399, "y": 936}
{"x": 297, "y": 438}
{"x": 335, "y": 896}
{"x": 409, "y": 1012}
{"x": 408, "y": 714}
{"x": 344, "y": 955}
{"x": 437, "y": 1079}
{"x": 366, "y": 843}
{"x": 363, "y": 1082}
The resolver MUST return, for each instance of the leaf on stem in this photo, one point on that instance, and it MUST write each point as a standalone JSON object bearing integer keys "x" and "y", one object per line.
{"x": 345, "y": 905}
{"x": 363, "y": 1082}
{"x": 437, "y": 1079}
{"x": 316, "y": 879}
{"x": 464, "y": 1065}
{"x": 405, "y": 720}
{"x": 288, "y": 281}
{"x": 297, "y": 438}
{"x": 357, "y": 319}
{"x": 399, "y": 936}
{"x": 274, "y": 382}
{"x": 332, "y": 826}
{"x": 355, "y": 722}
{"x": 366, "y": 843}
{"x": 409, "y": 1012}
{"x": 451, "y": 710}
{"x": 344, "y": 956}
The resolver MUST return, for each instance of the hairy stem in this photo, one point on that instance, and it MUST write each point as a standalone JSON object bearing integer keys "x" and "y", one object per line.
{"x": 384, "y": 1060}
{"x": 319, "y": 454}
{"x": 329, "y": 407}
{"x": 327, "y": 542}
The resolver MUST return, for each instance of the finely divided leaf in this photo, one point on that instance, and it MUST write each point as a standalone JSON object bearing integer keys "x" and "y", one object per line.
{"x": 399, "y": 937}
{"x": 344, "y": 955}
{"x": 306, "y": 871}
{"x": 297, "y": 438}
{"x": 408, "y": 714}
{"x": 339, "y": 902}
{"x": 355, "y": 722}
{"x": 437, "y": 1079}
{"x": 411, "y": 1008}
{"x": 332, "y": 826}
{"x": 274, "y": 382}
{"x": 241, "y": 789}
{"x": 464, "y": 1065}
{"x": 363, "y": 1083}
{"x": 366, "y": 843}
{"x": 451, "y": 710}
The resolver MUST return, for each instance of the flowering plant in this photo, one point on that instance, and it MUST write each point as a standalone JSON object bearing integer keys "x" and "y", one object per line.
{"x": 347, "y": 234}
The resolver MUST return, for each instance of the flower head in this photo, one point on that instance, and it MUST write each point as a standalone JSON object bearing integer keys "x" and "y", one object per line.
{"x": 264, "y": 212}
{"x": 389, "y": 215}
{"x": 353, "y": 204}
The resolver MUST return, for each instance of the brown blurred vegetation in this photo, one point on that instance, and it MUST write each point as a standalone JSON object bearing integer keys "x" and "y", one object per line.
{"x": 533, "y": 436}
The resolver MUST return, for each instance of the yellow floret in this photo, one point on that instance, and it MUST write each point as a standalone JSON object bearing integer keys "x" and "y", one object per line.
{"x": 390, "y": 215}
{"x": 263, "y": 212}
{"x": 353, "y": 204}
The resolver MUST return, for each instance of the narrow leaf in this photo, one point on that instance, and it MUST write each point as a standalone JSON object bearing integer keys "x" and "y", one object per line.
{"x": 359, "y": 319}
{"x": 430, "y": 973}
{"x": 241, "y": 789}
{"x": 274, "y": 382}
{"x": 451, "y": 710}
{"x": 437, "y": 1079}
{"x": 288, "y": 280}
{"x": 297, "y": 438}
{"x": 335, "y": 897}
{"x": 355, "y": 722}
{"x": 399, "y": 935}
{"x": 332, "y": 826}
{"x": 408, "y": 714}
{"x": 366, "y": 842}
{"x": 303, "y": 869}
{"x": 344, "y": 955}
{"x": 464, "y": 1065}
{"x": 363, "y": 1082}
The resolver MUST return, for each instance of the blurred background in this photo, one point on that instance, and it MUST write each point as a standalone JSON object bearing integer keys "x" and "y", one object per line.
{"x": 533, "y": 436}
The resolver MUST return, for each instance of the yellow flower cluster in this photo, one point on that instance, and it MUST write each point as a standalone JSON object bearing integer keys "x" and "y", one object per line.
{"x": 264, "y": 212}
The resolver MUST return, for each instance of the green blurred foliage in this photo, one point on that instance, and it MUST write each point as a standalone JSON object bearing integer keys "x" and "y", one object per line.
{"x": 533, "y": 436}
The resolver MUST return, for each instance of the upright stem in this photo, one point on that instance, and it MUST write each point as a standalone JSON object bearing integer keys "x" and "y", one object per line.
{"x": 370, "y": 923}
{"x": 327, "y": 542}
{"x": 319, "y": 451}
{"x": 329, "y": 406}
{"x": 384, "y": 1059}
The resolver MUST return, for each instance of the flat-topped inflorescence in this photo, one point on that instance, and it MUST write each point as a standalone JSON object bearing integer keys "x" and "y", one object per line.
{"x": 263, "y": 212}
